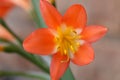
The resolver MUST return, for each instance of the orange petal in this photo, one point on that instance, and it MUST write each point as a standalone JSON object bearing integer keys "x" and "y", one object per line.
{"x": 75, "y": 16}
{"x": 25, "y": 4}
{"x": 5, "y": 34}
{"x": 51, "y": 16}
{"x": 93, "y": 33}
{"x": 57, "y": 67}
{"x": 40, "y": 41}
{"x": 5, "y": 7}
{"x": 84, "y": 55}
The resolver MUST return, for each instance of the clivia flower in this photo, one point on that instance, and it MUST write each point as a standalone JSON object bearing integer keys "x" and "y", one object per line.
{"x": 67, "y": 38}
{"x": 7, "y": 5}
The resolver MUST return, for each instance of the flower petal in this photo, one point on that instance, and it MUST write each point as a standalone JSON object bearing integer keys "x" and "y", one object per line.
{"x": 5, "y": 7}
{"x": 75, "y": 16}
{"x": 51, "y": 16}
{"x": 84, "y": 55}
{"x": 40, "y": 41}
{"x": 93, "y": 33}
{"x": 57, "y": 67}
{"x": 5, "y": 34}
{"x": 25, "y": 4}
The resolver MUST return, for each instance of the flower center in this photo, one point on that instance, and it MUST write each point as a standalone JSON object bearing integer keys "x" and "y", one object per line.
{"x": 67, "y": 41}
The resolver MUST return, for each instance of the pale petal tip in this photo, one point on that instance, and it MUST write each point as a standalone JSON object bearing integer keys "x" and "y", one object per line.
{"x": 81, "y": 42}
{"x": 105, "y": 29}
{"x": 79, "y": 31}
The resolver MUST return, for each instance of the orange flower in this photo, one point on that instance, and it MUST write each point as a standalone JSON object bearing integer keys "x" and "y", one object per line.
{"x": 5, "y": 34}
{"x": 66, "y": 38}
{"x": 7, "y": 5}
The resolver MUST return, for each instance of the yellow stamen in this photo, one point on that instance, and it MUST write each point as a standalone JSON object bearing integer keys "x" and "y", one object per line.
{"x": 67, "y": 40}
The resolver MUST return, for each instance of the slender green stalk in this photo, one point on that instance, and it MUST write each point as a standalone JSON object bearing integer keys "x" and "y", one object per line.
{"x": 4, "y": 40}
{"x": 68, "y": 75}
{"x": 6, "y": 26}
{"x": 35, "y": 60}
{"x": 37, "y": 14}
{"x": 28, "y": 75}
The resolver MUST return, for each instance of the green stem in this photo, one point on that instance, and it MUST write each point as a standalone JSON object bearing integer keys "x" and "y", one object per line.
{"x": 37, "y": 14}
{"x": 68, "y": 75}
{"x": 22, "y": 74}
{"x": 4, "y": 40}
{"x": 37, "y": 61}
{"x": 34, "y": 59}
{"x": 6, "y": 26}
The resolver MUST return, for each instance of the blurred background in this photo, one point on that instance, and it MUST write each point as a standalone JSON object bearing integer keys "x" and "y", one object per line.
{"x": 106, "y": 65}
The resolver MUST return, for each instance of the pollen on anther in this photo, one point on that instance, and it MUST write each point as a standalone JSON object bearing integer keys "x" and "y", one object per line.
{"x": 68, "y": 40}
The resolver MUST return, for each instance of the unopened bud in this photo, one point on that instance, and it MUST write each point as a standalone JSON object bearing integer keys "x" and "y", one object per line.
{"x": 1, "y": 48}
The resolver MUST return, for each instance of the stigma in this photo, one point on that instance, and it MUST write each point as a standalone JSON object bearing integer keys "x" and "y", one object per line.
{"x": 67, "y": 40}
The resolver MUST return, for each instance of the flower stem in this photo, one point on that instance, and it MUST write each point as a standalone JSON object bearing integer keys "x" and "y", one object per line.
{"x": 68, "y": 75}
{"x": 22, "y": 74}
{"x": 37, "y": 14}
{"x": 6, "y": 26}
{"x": 34, "y": 59}
{"x": 38, "y": 62}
